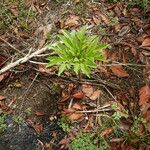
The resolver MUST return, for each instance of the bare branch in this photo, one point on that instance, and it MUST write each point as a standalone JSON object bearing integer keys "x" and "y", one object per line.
{"x": 23, "y": 60}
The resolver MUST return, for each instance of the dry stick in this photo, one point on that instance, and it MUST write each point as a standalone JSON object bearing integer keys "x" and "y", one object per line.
{"x": 22, "y": 60}
{"x": 12, "y": 46}
{"x": 25, "y": 94}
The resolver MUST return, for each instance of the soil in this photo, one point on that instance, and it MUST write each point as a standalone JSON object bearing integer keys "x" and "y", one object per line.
{"x": 35, "y": 96}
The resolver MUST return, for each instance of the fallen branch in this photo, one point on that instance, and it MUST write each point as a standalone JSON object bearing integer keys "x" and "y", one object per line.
{"x": 23, "y": 60}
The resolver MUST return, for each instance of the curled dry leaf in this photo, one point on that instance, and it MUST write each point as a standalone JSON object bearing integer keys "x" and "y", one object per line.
{"x": 71, "y": 21}
{"x": 75, "y": 116}
{"x": 144, "y": 94}
{"x": 37, "y": 113}
{"x": 96, "y": 95}
{"x": 43, "y": 69}
{"x": 119, "y": 71}
{"x": 78, "y": 95}
{"x": 87, "y": 90}
{"x": 2, "y": 97}
{"x": 4, "y": 76}
{"x": 146, "y": 41}
{"x": 38, "y": 128}
{"x": 79, "y": 106}
{"x": 106, "y": 131}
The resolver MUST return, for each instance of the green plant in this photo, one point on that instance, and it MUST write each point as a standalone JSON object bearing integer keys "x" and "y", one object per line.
{"x": 140, "y": 3}
{"x": 15, "y": 13}
{"x": 18, "y": 119}
{"x": 76, "y": 51}
{"x": 64, "y": 123}
{"x": 3, "y": 124}
{"x": 113, "y": 1}
{"x": 89, "y": 141}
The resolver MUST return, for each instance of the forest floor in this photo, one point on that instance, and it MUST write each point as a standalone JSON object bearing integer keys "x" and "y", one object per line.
{"x": 41, "y": 110}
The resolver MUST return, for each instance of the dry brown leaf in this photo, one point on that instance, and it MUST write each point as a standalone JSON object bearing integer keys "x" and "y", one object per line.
{"x": 106, "y": 132}
{"x": 78, "y": 95}
{"x": 119, "y": 71}
{"x": 87, "y": 90}
{"x": 77, "y": 106}
{"x": 43, "y": 69}
{"x": 37, "y": 113}
{"x": 4, "y": 76}
{"x": 146, "y": 41}
{"x": 2, "y": 60}
{"x": 71, "y": 21}
{"x": 96, "y": 95}
{"x": 96, "y": 20}
{"x": 14, "y": 10}
{"x": 104, "y": 18}
{"x": 144, "y": 94}
{"x": 2, "y": 97}
{"x": 75, "y": 116}
{"x": 38, "y": 128}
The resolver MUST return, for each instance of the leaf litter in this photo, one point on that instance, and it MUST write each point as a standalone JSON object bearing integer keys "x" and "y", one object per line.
{"x": 82, "y": 103}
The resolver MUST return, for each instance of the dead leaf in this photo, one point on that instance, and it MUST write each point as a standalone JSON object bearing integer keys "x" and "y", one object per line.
{"x": 2, "y": 97}
{"x": 38, "y": 128}
{"x": 18, "y": 85}
{"x": 4, "y": 76}
{"x": 37, "y": 113}
{"x": 147, "y": 116}
{"x": 144, "y": 94}
{"x": 77, "y": 106}
{"x": 104, "y": 18}
{"x": 78, "y": 95}
{"x": 106, "y": 131}
{"x": 75, "y": 116}
{"x": 96, "y": 20}
{"x": 14, "y": 10}
{"x": 87, "y": 90}
{"x": 2, "y": 60}
{"x": 146, "y": 41}
{"x": 71, "y": 21}
{"x": 43, "y": 69}
{"x": 96, "y": 95}
{"x": 119, "y": 71}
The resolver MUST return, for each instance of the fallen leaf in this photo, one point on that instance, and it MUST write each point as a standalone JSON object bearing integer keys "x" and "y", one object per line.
{"x": 87, "y": 90}
{"x": 2, "y": 60}
{"x": 96, "y": 95}
{"x": 37, "y": 113}
{"x": 146, "y": 41}
{"x": 106, "y": 131}
{"x": 77, "y": 106}
{"x": 14, "y": 10}
{"x": 104, "y": 18}
{"x": 43, "y": 69}
{"x": 18, "y": 85}
{"x": 71, "y": 21}
{"x": 2, "y": 97}
{"x": 96, "y": 20}
{"x": 75, "y": 116}
{"x": 119, "y": 71}
{"x": 144, "y": 94}
{"x": 147, "y": 116}
{"x": 38, "y": 128}
{"x": 4, "y": 76}
{"x": 78, "y": 95}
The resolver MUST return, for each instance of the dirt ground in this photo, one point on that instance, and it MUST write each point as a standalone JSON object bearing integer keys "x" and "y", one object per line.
{"x": 36, "y": 95}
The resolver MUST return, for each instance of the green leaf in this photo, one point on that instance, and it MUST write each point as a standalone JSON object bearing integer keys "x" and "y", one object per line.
{"x": 76, "y": 68}
{"x": 61, "y": 69}
{"x": 85, "y": 70}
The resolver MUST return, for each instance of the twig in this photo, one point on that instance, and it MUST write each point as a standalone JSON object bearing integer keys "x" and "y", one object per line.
{"x": 28, "y": 91}
{"x": 12, "y": 46}
{"x": 22, "y": 60}
{"x": 94, "y": 111}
